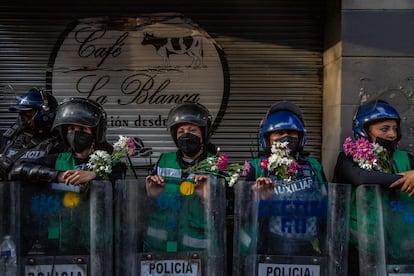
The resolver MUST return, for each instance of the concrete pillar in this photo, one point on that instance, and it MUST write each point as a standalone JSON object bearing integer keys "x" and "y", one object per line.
{"x": 369, "y": 54}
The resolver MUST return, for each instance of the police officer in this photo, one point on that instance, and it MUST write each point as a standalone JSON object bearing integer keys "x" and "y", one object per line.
{"x": 379, "y": 122}
{"x": 81, "y": 125}
{"x": 288, "y": 232}
{"x": 178, "y": 222}
{"x": 30, "y": 138}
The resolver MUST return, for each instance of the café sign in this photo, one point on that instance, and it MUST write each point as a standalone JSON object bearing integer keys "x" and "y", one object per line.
{"x": 138, "y": 68}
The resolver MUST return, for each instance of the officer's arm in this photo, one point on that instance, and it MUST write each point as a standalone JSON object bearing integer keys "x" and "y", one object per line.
{"x": 411, "y": 158}
{"x": 33, "y": 172}
{"x": 353, "y": 174}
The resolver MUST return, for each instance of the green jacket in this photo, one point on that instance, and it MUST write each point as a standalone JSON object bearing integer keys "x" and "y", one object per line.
{"x": 69, "y": 221}
{"x": 176, "y": 222}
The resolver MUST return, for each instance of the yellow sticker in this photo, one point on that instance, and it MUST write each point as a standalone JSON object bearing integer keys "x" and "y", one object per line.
{"x": 71, "y": 199}
{"x": 187, "y": 188}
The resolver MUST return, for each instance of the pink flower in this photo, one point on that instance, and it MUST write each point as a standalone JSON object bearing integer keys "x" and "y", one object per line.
{"x": 246, "y": 168}
{"x": 222, "y": 161}
{"x": 293, "y": 168}
{"x": 263, "y": 164}
{"x": 349, "y": 146}
{"x": 218, "y": 165}
{"x": 131, "y": 146}
{"x": 367, "y": 155}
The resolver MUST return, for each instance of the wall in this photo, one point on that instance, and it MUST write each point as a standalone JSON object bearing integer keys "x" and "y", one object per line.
{"x": 273, "y": 51}
{"x": 373, "y": 58}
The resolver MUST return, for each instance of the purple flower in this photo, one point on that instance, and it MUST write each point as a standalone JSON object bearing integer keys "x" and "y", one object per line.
{"x": 131, "y": 146}
{"x": 222, "y": 161}
{"x": 349, "y": 146}
{"x": 367, "y": 155}
{"x": 293, "y": 168}
{"x": 246, "y": 168}
{"x": 218, "y": 165}
{"x": 263, "y": 164}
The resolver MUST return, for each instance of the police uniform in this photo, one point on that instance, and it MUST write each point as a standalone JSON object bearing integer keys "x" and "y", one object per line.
{"x": 347, "y": 171}
{"x": 60, "y": 213}
{"x": 30, "y": 139}
{"x": 177, "y": 222}
{"x": 25, "y": 149}
{"x": 293, "y": 220}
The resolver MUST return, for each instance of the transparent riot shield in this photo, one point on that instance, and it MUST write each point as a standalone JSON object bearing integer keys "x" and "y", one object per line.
{"x": 294, "y": 233}
{"x": 385, "y": 231}
{"x": 59, "y": 229}
{"x": 175, "y": 233}
{"x": 8, "y": 209}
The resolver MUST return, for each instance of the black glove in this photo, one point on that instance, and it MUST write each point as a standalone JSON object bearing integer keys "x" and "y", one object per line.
{"x": 33, "y": 172}
{"x": 3, "y": 174}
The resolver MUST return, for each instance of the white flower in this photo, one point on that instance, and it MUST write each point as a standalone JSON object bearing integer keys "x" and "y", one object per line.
{"x": 378, "y": 148}
{"x": 365, "y": 166}
{"x": 211, "y": 160}
{"x": 234, "y": 177}
{"x": 121, "y": 144}
{"x": 100, "y": 161}
{"x": 279, "y": 162}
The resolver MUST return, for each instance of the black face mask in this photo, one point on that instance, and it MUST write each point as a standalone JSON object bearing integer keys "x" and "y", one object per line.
{"x": 24, "y": 122}
{"x": 189, "y": 144}
{"x": 390, "y": 146}
{"x": 79, "y": 140}
{"x": 293, "y": 144}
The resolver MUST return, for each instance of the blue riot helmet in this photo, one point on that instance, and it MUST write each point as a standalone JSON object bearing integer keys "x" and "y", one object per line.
{"x": 43, "y": 103}
{"x": 192, "y": 113}
{"x": 82, "y": 112}
{"x": 372, "y": 112}
{"x": 282, "y": 116}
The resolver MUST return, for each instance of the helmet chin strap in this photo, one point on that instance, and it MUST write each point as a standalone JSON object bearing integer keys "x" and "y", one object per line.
{"x": 45, "y": 105}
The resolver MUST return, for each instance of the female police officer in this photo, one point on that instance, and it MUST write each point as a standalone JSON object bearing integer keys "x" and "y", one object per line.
{"x": 180, "y": 223}
{"x": 81, "y": 124}
{"x": 378, "y": 122}
{"x": 289, "y": 232}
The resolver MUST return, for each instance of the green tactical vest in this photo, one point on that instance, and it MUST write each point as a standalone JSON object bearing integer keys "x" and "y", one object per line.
{"x": 177, "y": 222}
{"x": 65, "y": 161}
{"x": 70, "y": 224}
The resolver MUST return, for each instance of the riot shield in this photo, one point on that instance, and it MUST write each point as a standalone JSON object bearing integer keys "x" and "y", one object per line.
{"x": 294, "y": 233}
{"x": 60, "y": 229}
{"x": 385, "y": 231}
{"x": 8, "y": 209}
{"x": 173, "y": 234}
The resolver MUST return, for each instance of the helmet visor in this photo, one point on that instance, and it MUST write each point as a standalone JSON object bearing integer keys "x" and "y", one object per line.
{"x": 76, "y": 112}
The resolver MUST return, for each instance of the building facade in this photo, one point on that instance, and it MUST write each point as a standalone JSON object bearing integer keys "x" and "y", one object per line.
{"x": 326, "y": 56}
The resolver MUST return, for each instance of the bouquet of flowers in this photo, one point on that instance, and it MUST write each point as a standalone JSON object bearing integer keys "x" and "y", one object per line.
{"x": 101, "y": 161}
{"x": 368, "y": 156}
{"x": 218, "y": 165}
{"x": 280, "y": 163}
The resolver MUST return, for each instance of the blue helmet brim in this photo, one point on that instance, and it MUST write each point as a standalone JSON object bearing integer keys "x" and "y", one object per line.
{"x": 17, "y": 108}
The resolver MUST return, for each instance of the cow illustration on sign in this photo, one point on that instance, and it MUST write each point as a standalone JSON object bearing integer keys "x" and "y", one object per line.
{"x": 166, "y": 46}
